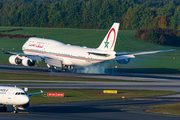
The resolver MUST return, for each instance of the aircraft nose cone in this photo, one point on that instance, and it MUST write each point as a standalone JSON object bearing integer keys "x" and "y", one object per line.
{"x": 25, "y": 99}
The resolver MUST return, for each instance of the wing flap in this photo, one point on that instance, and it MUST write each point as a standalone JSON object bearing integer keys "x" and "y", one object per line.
{"x": 54, "y": 62}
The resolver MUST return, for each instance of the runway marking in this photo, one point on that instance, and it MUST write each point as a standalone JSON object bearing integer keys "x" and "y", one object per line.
{"x": 64, "y": 117}
{"x": 156, "y": 99}
{"x": 157, "y": 114}
{"x": 116, "y": 104}
{"x": 131, "y": 102}
{"x": 21, "y": 112}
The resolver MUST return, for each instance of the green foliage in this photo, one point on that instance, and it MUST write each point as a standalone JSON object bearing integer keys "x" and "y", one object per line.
{"x": 159, "y": 36}
{"x": 151, "y": 35}
{"x": 67, "y": 14}
{"x": 168, "y": 11}
{"x": 127, "y": 22}
{"x": 90, "y": 14}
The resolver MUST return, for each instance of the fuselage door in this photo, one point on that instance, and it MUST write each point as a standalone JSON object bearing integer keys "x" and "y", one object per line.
{"x": 9, "y": 95}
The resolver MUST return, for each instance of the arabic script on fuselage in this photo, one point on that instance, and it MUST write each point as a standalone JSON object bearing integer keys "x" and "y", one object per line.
{"x": 36, "y": 45}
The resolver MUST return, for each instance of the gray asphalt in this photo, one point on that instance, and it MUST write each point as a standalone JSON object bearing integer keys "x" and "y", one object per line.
{"x": 155, "y": 82}
{"x": 126, "y": 109}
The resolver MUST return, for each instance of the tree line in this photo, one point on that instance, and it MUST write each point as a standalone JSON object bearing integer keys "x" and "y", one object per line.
{"x": 91, "y": 14}
{"x": 162, "y": 36}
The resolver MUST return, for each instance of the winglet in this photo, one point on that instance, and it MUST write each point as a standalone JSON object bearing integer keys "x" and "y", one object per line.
{"x": 4, "y": 52}
{"x": 109, "y": 41}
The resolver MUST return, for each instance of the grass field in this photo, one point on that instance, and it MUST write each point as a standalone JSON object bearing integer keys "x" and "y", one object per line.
{"x": 90, "y": 95}
{"x": 25, "y": 78}
{"x": 161, "y": 62}
{"x": 166, "y": 109}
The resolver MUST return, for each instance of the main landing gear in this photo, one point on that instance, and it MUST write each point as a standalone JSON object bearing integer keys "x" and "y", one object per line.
{"x": 3, "y": 108}
{"x": 65, "y": 68}
{"x": 68, "y": 68}
{"x": 51, "y": 68}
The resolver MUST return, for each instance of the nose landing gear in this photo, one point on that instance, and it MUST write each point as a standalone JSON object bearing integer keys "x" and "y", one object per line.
{"x": 15, "y": 109}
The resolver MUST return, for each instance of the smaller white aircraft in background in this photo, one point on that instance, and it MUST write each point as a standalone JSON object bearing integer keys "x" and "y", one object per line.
{"x": 57, "y": 54}
{"x": 14, "y": 96}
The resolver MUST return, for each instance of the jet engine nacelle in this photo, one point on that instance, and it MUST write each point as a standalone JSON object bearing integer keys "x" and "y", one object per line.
{"x": 28, "y": 62}
{"x": 23, "y": 107}
{"x": 124, "y": 61}
{"x": 15, "y": 60}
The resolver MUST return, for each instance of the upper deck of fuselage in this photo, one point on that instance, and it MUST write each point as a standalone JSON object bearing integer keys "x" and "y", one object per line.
{"x": 44, "y": 41}
{"x": 8, "y": 88}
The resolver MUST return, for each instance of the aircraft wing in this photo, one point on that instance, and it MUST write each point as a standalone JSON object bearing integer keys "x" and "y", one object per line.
{"x": 33, "y": 57}
{"x": 49, "y": 60}
{"x": 145, "y": 52}
{"x": 35, "y": 93}
{"x": 125, "y": 55}
{"x": 13, "y": 53}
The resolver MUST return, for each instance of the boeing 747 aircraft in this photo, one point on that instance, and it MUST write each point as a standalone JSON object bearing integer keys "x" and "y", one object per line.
{"x": 56, "y": 54}
{"x": 14, "y": 96}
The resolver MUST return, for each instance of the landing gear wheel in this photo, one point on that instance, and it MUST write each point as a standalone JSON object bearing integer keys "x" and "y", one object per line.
{"x": 4, "y": 109}
{"x": 68, "y": 68}
{"x": 15, "y": 111}
{"x": 52, "y": 69}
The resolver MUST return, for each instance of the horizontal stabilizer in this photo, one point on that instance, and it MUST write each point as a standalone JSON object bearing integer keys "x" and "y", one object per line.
{"x": 99, "y": 54}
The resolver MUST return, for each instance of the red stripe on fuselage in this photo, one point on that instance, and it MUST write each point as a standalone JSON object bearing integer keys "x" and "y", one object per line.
{"x": 61, "y": 55}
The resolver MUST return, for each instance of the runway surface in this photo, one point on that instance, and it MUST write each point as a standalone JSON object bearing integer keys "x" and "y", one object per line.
{"x": 155, "y": 82}
{"x": 117, "y": 76}
{"x": 126, "y": 109}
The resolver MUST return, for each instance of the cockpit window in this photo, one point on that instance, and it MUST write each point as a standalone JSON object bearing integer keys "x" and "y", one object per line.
{"x": 20, "y": 93}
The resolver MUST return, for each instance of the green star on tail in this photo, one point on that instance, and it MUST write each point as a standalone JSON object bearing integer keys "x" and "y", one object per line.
{"x": 106, "y": 44}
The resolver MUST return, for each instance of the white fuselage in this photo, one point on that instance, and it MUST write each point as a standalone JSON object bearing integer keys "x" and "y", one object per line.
{"x": 68, "y": 54}
{"x": 13, "y": 96}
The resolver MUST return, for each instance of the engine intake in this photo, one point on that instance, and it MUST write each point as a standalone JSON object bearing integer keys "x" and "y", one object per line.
{"x": 28, "y": 62}
{"x": 15, "y": 60}
{"x": 23, "y": 107}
